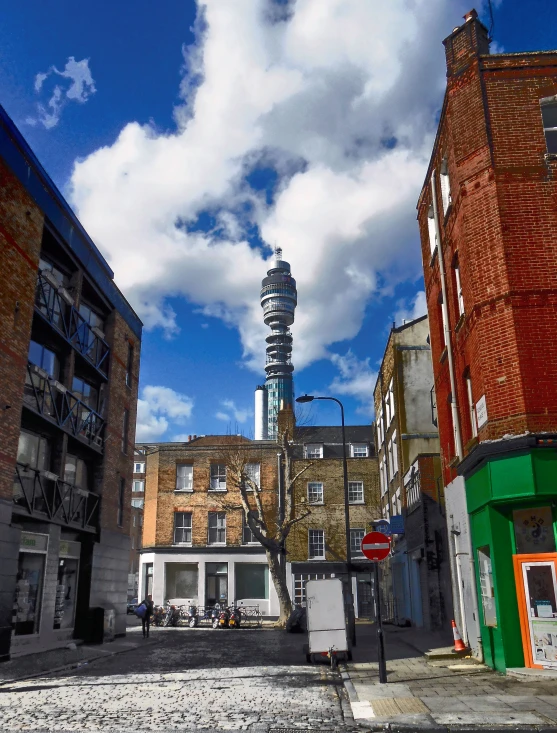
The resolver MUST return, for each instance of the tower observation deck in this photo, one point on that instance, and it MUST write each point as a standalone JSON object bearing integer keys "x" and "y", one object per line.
{"x": 278, "y": 300}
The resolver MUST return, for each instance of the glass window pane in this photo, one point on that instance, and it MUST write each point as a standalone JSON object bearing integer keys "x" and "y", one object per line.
{"x": 181, "y": 580}
{"x": 486, "y": 586}
{"x": 533, "y": 530}
{"x": 549, "y": 115}
{"x": 252, "y": 581}
{"x": 29, "y": 591}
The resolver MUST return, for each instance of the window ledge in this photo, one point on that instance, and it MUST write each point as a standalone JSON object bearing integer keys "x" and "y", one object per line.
{"x": 217, "y": 491}
{"x": 356, "y": 503}
{"x": 181, "y": 544}
{"x": 183, "y": 491}
{"x": 316, "y": 503}
{"x": 460, "y": 322}
{"x": 443, "y": 355}
{"x": 314, "y": 559}
{"x": 250, "y": 544}
{"x": 216, "y": 544}
{"x": 433, "y": 256}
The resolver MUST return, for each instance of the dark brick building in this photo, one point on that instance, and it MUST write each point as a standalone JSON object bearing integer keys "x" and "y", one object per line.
{"x": 69, "y": 362}
{"x": 488, "y": 221}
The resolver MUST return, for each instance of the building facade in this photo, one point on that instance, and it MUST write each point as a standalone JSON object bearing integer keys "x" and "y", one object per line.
{"x": 69, "y": 363}
{"x": 316, "y": 546}
{"x": 196, "y": 544}
{"x": 136, "y": 521}
{"x": 488, "y": 221}
{"x": 416, "y": 577}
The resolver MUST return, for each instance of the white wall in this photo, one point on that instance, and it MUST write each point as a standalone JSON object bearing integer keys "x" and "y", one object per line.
{"x": 462, "y": 568}
{"x": 268, "y": 607}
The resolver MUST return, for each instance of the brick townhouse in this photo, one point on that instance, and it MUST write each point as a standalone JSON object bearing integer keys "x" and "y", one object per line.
{"x": 417, "y": 575}
{"x": 196, "y": 544}
{"x": 316, "y": 546}
{"x": 488, "y": 221}
{"x": 69, "y": 362}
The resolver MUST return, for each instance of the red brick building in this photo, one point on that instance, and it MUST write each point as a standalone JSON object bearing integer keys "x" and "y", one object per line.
{"x": 488, "y": 222}
{"x": 69, "y": 363}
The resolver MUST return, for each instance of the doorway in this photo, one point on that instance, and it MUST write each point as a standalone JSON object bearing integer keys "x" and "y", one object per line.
{"x": 536, "y": 584}
{"x": 216, "y": 583}
{"x": 365, "y": 597}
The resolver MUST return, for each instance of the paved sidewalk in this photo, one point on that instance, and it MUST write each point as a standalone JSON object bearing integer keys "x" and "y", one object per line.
{"x": 421, "y": 692}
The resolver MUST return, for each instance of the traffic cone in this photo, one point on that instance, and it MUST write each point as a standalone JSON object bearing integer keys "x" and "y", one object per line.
{"x": 458, "y": 643}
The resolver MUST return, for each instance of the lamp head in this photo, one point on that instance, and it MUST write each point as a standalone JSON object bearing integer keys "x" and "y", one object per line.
{"x": 305, "y": 398}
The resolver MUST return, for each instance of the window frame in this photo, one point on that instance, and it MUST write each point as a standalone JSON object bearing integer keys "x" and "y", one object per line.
{"x": 184, "y": 528}
{"x": 181, "y": 489}
{"x": 545, "y": 103}
{"x": 356, "y": 501}
{"x": 445, "y": 185}
{"x": 431, "y": 231}
{"x": 318, "y": 502}
{"x": 216, "y": 528}
{"x": 321, "y": 543}
{"x": 458, "y": 287}
{"x": 358, "y": 552}
{"x": 134, "y": 485}
{"x": 246, "y": 528}
{"x": 308, "y": 447}
{"x": 248, "y": 472}
{"x": 217, "y": 478}
{"x": 353, "y": 447}
{"x": 139, "y": 463}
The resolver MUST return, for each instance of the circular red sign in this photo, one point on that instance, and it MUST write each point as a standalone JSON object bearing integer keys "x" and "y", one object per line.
{"x": 376, "y": 546}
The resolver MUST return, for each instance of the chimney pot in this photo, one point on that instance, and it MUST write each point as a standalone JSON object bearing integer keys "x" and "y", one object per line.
{"x": 189, "y": 438}
{"x": 471, "y": 15}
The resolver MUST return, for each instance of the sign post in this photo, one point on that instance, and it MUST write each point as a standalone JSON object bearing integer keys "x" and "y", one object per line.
{"x": 376, "y": 546}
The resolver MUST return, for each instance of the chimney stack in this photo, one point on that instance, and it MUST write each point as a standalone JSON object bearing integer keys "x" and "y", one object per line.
{"x": 466, "y": 43}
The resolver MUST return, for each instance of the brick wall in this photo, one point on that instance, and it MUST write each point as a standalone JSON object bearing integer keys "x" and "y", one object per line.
{"x": 502, "y": 226}
{"x": 330, "y": 516}
{"x": 162, "y": 501}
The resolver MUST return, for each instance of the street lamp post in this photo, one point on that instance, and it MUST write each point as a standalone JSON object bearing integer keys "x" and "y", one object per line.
{"x": 310, "y": 398}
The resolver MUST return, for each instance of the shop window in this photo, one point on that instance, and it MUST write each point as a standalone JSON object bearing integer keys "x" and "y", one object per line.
{"x": 252, "y": 581}
{"x": 486, "y": 586}
{"x": 66, "y": 588}
{"x": 181, "y": 580}
{"x": 533, "y": 530}
{"x": 29, "y": 583}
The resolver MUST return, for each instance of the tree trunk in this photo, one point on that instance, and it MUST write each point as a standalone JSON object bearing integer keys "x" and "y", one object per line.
{"x": 278, "y": 576}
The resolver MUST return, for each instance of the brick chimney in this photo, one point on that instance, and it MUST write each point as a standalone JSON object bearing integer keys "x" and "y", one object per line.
{"x": 465, "y": 44}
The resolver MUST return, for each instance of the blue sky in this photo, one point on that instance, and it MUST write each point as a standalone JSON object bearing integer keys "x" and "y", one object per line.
{"x": 193, "y": 138}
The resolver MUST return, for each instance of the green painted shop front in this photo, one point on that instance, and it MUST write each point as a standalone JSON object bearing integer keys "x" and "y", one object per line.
{"x": 498, "y": 493}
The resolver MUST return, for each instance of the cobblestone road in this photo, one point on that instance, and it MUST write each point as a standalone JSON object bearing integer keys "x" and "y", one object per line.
{"x": 186, "y": 680}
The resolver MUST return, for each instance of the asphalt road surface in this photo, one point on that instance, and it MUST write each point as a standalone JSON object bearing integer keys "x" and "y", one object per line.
{"x": 186, "y": 680}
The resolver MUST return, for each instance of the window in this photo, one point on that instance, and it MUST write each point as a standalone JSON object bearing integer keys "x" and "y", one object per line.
{"x": 433, "y": 401}
{"x": 392, "y": 451}
{"x": 383, "y": 476}
{"x": 252, "y": 581}
{"x": 85, "y": 392}
{"x": 316, "y": 544}
{"x": 390, "y": 403}
{"x": 125, "y": 429}
{"x": 379, "y": 426}
{"x": 184, "y": 477}
{"x": 356, "y": 492}
{"x": 129, "y": 366}
{"x": 431, "y": 230}
{"x": 182, "y": 528}
{"x": 396, "y": 504}
{"x": 252, "y": 473}
{"x": 451, "y": 421}
{"x": 314, "y": 450}
{"x": 181, "y": 580}
{"x": 443, "y": 320}
{"x": 121, "y": 497}
{"x": 134, "y": 520}
{"x": 139, "y": 468}
{"x": 356, "y": 537}
{"x": 218, "y": 477}
{"x": 445, "y": 185}
{"x": 47, "y": 298}
{"x": 413, "y": 488}
{"x": 359, "y": 450}
{"x": 248, "y": 538}
{"x": 217, "y": 528}
{"x": 300, "y": 580}
{"x": 458, "y": 288}
{"x": 75, "y": 471}
{"x": 44, "y": 358}
{"x": 315, "y": 492}
{"x": 549, "y": 118}
{"x": 471, "y": 410}
{"x": 137, "y": 503}
{"x": 33, "y": 450}
{"x": 138, "y": 486}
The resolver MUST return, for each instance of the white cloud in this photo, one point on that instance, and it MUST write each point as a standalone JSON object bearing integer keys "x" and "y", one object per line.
{"x": 322, "y": 97}
{"x": 356, "y": 379}
{"x": 233, "y": 413}
{"x": 79, "y": 88}
{"x": 410, "y": 311}
{"x": 157, "y": 408}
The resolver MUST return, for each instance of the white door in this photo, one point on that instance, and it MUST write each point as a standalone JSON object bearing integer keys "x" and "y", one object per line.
{"x": 540, "y": 589}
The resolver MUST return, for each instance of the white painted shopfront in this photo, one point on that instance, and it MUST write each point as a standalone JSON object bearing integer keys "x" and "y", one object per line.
{"x": 205, "y": 578}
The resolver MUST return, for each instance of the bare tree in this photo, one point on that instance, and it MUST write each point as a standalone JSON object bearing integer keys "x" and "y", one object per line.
{"x": 269, "y": 523}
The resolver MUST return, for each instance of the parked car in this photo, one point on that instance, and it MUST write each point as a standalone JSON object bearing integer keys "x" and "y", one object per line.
{"x": 132, "y": 605}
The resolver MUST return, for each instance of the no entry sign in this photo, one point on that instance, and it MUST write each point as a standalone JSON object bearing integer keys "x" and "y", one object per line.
{"x": 376, "y": 546}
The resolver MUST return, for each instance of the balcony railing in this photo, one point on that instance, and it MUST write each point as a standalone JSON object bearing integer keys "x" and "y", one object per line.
{"x": 52, "y": 400}
{"x": 42, "y": 494}
{"x": 56, "y": 306}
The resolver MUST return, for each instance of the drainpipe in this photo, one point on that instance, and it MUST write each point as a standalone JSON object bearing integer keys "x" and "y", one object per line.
{"x": 446, "y": 326}
{"x": 282, "y": 555}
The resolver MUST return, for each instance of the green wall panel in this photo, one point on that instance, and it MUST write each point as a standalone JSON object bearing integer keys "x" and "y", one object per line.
{"x": 512, "y": 477}
{"x": 478, "y": 489}
{"x": 545, "y": 471}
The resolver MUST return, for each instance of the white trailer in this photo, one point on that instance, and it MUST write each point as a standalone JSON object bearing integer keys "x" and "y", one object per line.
{"x": 326, "y": 621}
